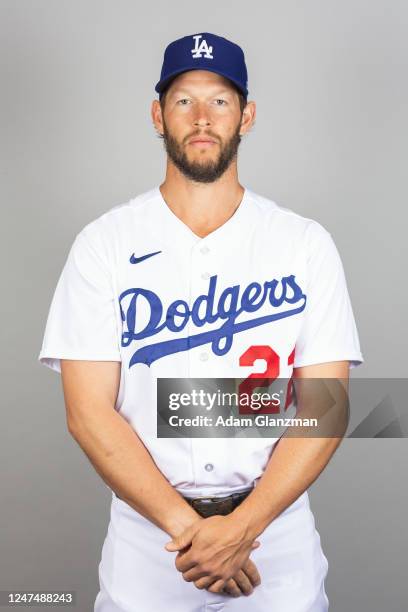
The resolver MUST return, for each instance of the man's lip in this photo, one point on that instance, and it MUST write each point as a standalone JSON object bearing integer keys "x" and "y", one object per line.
{"x": 201, "y": 140}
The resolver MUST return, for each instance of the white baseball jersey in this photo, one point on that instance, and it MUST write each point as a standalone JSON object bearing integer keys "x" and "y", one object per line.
{"x": 263, "y": 293}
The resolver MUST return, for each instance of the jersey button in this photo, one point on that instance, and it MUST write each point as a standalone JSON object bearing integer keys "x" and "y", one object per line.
{"x": 209, "y": 467}
{"x": 204, "y": 356}
{"x": 204, "y": 250}
{"x": 205, "y": 275}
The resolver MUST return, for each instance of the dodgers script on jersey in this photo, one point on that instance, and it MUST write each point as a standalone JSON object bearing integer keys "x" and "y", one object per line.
{"x": 139, "y": 287}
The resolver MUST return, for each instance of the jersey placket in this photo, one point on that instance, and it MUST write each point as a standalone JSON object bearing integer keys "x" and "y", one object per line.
{"x": 203, "y": 264}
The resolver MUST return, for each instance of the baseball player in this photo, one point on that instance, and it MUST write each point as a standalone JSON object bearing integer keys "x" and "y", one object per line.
{"x": 200, "y": 277}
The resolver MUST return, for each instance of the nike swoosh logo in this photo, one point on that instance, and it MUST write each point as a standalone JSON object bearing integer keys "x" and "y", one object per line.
{"x": 133, "y": 259}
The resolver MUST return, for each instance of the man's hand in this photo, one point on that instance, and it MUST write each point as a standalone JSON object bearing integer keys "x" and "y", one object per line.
{"x": 244, "y": 581}
{"x": 214, "y": 550}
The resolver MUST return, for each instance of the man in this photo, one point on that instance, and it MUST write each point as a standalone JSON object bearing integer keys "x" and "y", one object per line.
{"x": 200, "y": 278}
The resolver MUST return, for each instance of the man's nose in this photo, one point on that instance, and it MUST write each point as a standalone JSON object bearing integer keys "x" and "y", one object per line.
{"x": 201, "y": 115}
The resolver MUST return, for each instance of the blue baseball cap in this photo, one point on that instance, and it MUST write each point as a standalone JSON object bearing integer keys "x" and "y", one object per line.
{"x": 204, "y": 51}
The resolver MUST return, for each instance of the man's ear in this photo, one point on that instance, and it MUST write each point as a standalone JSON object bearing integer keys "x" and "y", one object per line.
{"x": 248, "y": 117}
{"x": 157, "y": 117}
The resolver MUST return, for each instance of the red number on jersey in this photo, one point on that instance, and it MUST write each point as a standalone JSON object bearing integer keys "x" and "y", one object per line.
{"x": 270, "y": 374}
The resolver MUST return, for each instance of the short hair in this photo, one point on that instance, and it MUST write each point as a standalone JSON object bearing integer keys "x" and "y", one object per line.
{"x": 242, "y": 99}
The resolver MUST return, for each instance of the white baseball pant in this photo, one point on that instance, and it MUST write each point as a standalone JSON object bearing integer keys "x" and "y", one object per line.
{"x": 136, "y": 573}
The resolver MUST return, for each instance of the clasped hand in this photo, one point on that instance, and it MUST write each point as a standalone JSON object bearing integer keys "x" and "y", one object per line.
{"x": 214, "y": 554}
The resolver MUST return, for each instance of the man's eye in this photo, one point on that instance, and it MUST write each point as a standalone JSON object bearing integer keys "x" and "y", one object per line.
{"x": 183, "y": 100}
{"x": 223, "y": 102}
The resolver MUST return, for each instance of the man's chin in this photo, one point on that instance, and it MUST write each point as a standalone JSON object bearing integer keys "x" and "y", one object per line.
{"x": 201, "y": 162}
{"x": 203, "y": 169}
{"x": 205, "y": 152}
{"x": 201, "y": 173}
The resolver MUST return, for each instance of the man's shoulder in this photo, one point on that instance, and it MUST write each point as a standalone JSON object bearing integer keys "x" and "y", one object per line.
{"x": 287, "y": 218}
{"x": 118, "y": 217}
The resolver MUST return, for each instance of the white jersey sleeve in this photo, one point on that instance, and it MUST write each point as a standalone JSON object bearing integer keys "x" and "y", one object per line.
{"x": 82, "y": 323}
{"x": 328, "y": 331}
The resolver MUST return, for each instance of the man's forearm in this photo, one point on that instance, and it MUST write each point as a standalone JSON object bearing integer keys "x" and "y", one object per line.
{"x": 124, "y": 463}
{"x": 298, "y": 459}
{"x": 294, "y": 465}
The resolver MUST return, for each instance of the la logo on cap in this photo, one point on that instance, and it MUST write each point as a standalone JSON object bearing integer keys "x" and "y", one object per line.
{"x": 201, "y": 48}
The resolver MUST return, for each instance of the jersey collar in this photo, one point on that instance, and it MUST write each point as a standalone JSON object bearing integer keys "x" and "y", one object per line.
{"x": 172, "y": 228}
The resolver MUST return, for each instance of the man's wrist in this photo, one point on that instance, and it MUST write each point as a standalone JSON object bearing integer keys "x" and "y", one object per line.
{"x": 251, "y": 521}
{"x": 178, "y": 521}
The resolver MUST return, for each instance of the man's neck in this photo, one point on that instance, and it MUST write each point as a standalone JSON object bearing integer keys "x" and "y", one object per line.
{"x": 203, "y": 207}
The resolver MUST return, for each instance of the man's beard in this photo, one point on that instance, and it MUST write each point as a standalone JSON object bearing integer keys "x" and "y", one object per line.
{"x": 202, "y": 172}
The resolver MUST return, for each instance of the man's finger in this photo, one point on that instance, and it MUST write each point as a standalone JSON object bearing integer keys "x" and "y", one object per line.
{"x": 193, "y": 575}
{"x": 187, "y": 567}
{"x": 231, "y": 588}
{"x": 251, "y": 571}
{"x": 243, "y": 582}
{"x": 204, "y": 582}
{"x": 217, "y": 586}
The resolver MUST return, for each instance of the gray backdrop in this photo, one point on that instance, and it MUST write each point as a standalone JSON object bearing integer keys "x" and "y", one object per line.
{"x": 77, "y": 82}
